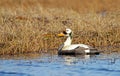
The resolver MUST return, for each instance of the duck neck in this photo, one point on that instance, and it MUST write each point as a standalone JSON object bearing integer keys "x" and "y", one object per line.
{"x": 68, "y": 41}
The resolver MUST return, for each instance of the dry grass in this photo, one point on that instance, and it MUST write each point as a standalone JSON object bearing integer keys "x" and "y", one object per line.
{"x": 26, "y": 26}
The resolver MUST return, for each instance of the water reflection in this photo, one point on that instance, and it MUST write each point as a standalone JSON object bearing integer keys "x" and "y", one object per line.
{"x": 109, "y": 59}
{"x": 70, "y": 60}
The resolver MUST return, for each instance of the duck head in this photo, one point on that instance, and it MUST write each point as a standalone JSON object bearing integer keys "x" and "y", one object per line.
{"x": 67, "y": 32}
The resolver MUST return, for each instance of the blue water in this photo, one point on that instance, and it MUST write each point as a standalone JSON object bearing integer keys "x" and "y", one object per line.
{"x": 53, "y": 65}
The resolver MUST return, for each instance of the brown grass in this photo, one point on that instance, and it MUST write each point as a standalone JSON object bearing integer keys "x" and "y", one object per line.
{"x": 31, "y": 25}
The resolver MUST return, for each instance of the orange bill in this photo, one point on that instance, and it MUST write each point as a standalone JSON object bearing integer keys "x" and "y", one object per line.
{"x": 61, "y": 35}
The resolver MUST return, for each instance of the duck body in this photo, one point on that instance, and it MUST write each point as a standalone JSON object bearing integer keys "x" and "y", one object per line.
{"x": 77, "y": 49}
{"x": 74, "y": 49}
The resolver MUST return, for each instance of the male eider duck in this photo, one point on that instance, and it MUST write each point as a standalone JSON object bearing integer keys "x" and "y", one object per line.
{"x": 74, "y": 49}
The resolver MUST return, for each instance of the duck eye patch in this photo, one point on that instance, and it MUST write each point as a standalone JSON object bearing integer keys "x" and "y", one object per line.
{"x": 64, "y": 32}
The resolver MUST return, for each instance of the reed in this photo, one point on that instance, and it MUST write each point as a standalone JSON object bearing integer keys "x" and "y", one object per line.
{"x": 27, "y": 26}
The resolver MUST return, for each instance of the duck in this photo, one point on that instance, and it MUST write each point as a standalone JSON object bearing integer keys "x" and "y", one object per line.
{"x": 74, "y": 49}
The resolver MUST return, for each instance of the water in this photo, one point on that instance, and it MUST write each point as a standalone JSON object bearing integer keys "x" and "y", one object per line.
{"x": 53, "y": 65}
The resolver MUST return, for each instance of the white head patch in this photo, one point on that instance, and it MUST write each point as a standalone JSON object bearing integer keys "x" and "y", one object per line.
{"x": 68, "y": 31}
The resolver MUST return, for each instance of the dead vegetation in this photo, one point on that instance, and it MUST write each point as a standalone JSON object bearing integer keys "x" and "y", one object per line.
{"x": 31, "y": 25}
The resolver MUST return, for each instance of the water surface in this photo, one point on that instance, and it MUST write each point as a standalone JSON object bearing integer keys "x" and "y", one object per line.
{"x": 54, "y": 65}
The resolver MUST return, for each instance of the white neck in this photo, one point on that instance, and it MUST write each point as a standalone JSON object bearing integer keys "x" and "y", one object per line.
{"x": 68, "y": 41}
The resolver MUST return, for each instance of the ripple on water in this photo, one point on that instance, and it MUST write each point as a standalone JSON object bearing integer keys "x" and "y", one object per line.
{"x": 4, "y": 73}
{"x": 100, "y": 65}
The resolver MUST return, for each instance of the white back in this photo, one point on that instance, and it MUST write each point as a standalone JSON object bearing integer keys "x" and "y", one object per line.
{"x": 73, "y": 46}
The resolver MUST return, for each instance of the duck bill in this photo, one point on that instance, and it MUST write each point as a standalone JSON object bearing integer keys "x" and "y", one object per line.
{"x": 61, "y": 35}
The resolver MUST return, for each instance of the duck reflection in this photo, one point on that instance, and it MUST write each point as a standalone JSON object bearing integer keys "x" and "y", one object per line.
{"x": 70, "y": 60}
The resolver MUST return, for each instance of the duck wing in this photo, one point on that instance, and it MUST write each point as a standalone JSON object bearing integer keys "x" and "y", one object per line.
{"x": 83, "y": 50}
